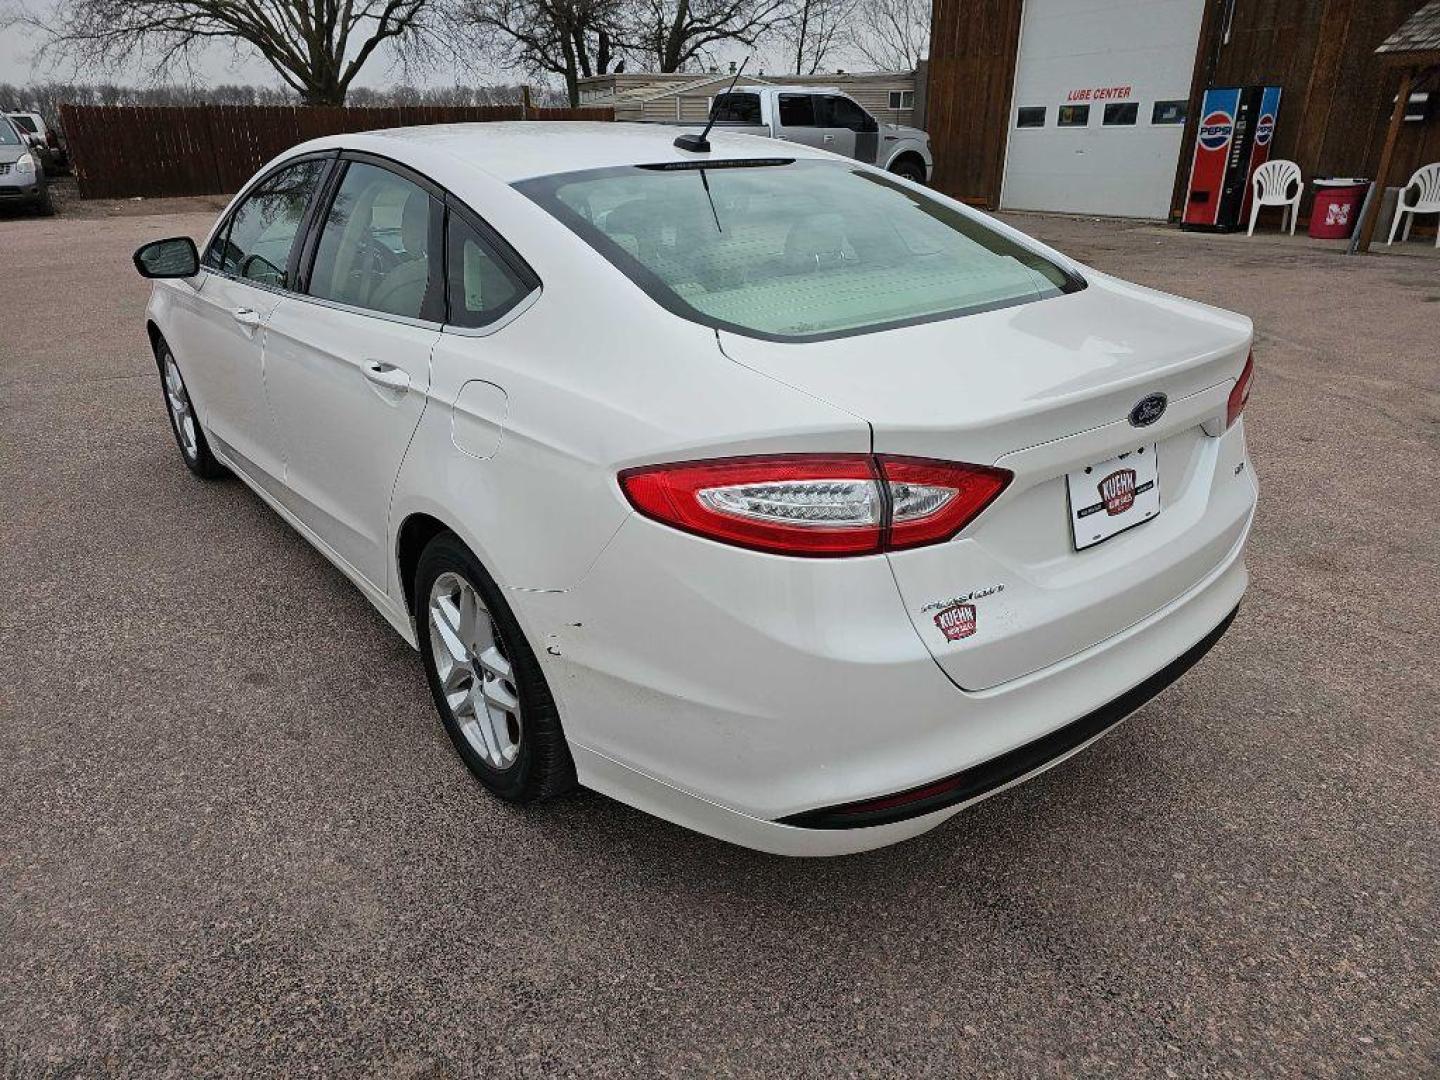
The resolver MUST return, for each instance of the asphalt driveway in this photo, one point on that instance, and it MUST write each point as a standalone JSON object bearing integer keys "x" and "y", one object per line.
{"x": 234, "y": 840}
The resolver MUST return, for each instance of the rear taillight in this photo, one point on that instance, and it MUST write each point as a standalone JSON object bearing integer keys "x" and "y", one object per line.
{"x": 1240, "y": 393}
{"x": 816, "y": 504}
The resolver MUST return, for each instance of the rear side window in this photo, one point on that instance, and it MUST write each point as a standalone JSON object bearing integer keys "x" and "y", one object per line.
{"x": 380, "y": 248}
{"x": 483, "y": 287}
{"x": 797, "y": 110}
{"x": 256, "y": 242}
{"x": 737, "y": 109}
{"x": 803, "y": 250}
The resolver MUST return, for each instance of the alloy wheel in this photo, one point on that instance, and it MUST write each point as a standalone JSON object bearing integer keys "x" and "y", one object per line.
{"x": 475, "y": 676}
{"x": 182, "y": 415}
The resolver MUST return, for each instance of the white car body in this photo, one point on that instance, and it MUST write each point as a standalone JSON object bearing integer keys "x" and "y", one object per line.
{"x": 718, "y": 687}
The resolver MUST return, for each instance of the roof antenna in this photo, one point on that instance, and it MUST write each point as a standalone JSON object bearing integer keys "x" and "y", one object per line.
{"x": 699, "y": 143}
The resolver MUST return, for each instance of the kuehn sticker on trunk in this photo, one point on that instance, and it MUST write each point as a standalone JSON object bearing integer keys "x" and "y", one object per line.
{"x": 956, "y": 621}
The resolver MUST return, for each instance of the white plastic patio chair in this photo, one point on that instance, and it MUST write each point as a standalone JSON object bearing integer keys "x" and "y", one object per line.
{"x": 1272, "y": 188}
{"x": 1426, "y": 183}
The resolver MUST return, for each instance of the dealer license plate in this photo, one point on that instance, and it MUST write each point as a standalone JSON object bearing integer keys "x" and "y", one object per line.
{"x": 1113, "y": 496}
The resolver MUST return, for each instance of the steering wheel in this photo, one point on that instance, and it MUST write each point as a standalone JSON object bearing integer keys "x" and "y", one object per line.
{"x": 376, "y": 258}
{"x": 269, "y": 272}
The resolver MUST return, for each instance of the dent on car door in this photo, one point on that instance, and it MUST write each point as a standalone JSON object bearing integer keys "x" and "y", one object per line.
{"x": 247, "y": 263}
{"x": 348, "y": 363}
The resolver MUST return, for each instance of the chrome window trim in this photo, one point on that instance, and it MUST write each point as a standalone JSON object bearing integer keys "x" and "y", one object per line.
{"x": 354, "y": 309}
{"x": 523, "y": 305}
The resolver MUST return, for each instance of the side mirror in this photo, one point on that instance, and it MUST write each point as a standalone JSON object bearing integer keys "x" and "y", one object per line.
{"x": 172, "y": 258}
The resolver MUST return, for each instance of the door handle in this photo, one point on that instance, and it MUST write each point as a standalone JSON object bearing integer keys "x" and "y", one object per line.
{"x": 246, "y": 317}
{"x": 387, "y": 375}
{"x": 829, "y": 138}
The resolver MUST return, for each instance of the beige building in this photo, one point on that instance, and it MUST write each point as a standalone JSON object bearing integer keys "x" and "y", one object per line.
{"x": 685, "y": 96}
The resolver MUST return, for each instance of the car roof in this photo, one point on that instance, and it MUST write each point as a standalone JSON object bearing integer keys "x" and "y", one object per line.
{"x": 787, "y": 88}
{"x": 518, "y": 150}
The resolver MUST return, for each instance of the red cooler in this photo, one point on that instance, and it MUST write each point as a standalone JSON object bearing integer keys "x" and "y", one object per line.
{"x": 1337, "y": 207}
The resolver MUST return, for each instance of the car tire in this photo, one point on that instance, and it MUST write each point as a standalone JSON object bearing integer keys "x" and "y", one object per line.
{"x": 909, "y": 169}
{"x": 485, "y": 679}
{"x": 184, "y": 423}
{"x": 45, "y": 205}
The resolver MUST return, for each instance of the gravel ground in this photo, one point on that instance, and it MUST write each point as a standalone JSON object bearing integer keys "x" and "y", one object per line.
{"x": 234, "y": 840}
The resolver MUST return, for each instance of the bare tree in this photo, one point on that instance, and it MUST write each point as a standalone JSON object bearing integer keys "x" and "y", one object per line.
{"x": 316, "y": 46}
{"x": 893, "y": 35}
{"x": 573, "y": 39}
{"x": 673, "y": 34}
{"x": 815, "y": 29}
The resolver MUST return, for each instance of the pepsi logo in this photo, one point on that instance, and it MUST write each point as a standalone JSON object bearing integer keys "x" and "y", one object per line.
{"x": 1215, "y": 130}
{"x": 1264, "y": 129}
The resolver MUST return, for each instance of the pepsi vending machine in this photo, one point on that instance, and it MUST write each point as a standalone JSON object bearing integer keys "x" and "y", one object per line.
{"x": 1237, "y": 125}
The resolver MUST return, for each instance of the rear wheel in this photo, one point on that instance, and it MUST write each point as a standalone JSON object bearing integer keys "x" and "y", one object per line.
{"x": 910, "y": 169}
{"x": 486, "y": 682}
{"x": 185, "y": 425}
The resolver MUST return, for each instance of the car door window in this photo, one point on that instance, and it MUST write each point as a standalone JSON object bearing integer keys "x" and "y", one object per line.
{"x": 380, "y": 247}
{"x": 256, "y": 242}
{"x": 483, "y": 287}
{"x": 797, "y": 110}
{"x": 841, "y": 112}
{"x": 739, "y": 108}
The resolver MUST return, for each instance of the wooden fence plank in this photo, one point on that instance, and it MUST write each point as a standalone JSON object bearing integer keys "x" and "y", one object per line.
{"x": 149, "y": 151}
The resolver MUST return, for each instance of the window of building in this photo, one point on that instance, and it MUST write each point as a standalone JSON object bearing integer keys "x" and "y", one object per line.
{"x": 1121, "y": 114}
{"x": 902, "y": 99}
{"x": 1168, "y": 112}
{"x": 1031, "y": 117}
{"x": 1073, "y": 116}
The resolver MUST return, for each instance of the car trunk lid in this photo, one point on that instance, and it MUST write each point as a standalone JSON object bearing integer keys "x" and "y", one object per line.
{"x": 1044, "y": 389}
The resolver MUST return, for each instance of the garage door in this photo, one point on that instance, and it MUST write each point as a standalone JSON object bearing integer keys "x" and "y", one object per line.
{"x": 1099, "y": 105}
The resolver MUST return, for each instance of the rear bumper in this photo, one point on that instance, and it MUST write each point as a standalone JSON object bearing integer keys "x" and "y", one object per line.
{"x": 752, "y": 705}
{"x": 972, "y": 784}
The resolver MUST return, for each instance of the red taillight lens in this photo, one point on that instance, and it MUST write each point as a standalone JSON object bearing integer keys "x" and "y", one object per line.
{"x": 816, "y": 504}
{"x": 934, "y": 500}
{"x": 1240, "y": 393}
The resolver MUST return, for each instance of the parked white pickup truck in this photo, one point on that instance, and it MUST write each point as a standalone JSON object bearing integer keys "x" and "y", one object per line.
{"x": 824, "y": 116}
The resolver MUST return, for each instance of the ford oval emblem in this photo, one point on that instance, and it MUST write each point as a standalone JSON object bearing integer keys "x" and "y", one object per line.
{"x": 1148, "y": 409}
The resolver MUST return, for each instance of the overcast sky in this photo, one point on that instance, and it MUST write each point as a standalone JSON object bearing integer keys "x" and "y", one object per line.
{"x": 221, "y": 64}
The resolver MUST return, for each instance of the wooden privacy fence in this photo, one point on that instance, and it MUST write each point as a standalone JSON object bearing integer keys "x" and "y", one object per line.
{"x": 122, "y": 151}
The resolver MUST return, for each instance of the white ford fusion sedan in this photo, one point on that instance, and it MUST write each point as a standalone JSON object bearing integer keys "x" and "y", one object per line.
{"x": 757, "y": 488}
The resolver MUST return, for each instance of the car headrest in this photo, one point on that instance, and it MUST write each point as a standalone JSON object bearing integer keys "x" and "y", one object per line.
{"x": 415, "y": 223}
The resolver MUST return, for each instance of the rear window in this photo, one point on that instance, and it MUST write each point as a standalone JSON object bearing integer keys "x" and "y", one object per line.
{"x": 739, "y": 108}
{"x": 795, "y": 250}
